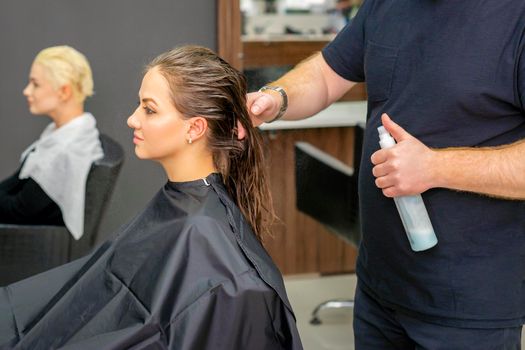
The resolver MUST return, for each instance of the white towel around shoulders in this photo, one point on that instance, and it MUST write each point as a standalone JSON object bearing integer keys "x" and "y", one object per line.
{"x": 59, "y": 161}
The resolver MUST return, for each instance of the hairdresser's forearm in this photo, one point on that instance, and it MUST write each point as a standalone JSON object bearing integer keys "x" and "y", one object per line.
{"x": 311, "y": 87}
{"x": 494, "y": 171}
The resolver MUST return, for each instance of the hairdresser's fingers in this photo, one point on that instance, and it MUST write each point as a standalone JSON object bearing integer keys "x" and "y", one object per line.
{"x": 262, "y": 107}
{"x": 379, "y": 157}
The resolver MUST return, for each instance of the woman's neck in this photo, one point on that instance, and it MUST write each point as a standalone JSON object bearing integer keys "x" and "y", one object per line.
{"x": 188, "y": 167}
{"x": 66, "y": 113}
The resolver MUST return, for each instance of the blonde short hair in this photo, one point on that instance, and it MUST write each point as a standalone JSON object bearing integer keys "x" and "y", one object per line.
{"x": 65, "y": 65}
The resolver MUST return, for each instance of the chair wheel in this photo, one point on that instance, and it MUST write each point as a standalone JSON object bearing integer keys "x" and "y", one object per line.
{"x": 315, "y": 321}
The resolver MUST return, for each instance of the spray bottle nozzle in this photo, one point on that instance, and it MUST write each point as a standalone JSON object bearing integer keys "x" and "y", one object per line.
{"x": 385, "y": 139}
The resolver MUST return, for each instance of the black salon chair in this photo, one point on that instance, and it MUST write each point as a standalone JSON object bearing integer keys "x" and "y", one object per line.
{"x": 26, "y": 250}
{"x": 326, "y": 190}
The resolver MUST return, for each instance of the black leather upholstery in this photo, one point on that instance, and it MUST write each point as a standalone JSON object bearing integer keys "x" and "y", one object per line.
{"x": 27, "y": 250}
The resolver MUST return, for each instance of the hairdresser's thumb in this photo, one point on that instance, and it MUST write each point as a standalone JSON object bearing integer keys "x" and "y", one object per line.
{"x": 397, "y": 132}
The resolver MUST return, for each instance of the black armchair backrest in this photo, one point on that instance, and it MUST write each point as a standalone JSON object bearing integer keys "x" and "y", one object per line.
{"x": 99, "y": 187}
{"x": 26, "y": 250}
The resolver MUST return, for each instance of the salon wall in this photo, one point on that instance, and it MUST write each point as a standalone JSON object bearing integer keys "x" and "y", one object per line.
{"x": 119, "y": 37}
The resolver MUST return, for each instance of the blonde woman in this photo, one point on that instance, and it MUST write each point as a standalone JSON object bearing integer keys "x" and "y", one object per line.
{"x": 49, "y": 186}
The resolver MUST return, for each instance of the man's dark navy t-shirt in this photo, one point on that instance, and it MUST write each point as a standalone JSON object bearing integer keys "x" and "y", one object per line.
{"x": 452, "y": 73}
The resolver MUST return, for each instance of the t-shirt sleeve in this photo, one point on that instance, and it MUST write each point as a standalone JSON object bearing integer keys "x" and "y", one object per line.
{"x": 520, "y": 80}
{"x": 345, "y": 54}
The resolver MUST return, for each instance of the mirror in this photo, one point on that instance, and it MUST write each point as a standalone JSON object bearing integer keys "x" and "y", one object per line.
{"x": 278, "y": 34}
{"x": 295, "y": 17}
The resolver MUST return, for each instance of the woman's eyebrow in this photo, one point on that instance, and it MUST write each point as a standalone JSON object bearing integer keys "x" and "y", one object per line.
{"x": 149, "y": 99}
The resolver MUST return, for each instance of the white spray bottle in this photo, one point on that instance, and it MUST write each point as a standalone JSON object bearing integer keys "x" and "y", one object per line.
{"x": 411, "y": 210}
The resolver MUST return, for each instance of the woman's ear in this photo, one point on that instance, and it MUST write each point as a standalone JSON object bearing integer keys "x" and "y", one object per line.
{"x": 65, "y": 92}
{"x": 198, "y": 127}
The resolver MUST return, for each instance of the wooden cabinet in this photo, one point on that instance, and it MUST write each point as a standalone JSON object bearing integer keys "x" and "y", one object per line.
{"x": 263, "y": 53}
{"x": 300, "y": 244}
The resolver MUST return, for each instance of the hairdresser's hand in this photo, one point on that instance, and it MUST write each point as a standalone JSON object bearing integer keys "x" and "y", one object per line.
{"x": 405, "y": 169}
{"x": 263, "y": 106}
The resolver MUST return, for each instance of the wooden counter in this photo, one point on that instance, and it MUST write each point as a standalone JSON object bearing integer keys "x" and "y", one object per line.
{"x": 300, "y": 244}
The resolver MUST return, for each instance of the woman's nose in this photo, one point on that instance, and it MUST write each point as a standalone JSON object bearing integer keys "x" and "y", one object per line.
{"x": 25, "y": 92}
{"x": 133, "y": 122}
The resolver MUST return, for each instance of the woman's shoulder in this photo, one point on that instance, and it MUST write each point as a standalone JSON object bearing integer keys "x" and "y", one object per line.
{"x": 209, "y": 228}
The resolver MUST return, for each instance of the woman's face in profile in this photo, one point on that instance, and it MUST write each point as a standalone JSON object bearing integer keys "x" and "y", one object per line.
{"x": 42, "y": 97}
{"x": 159, "y": 130}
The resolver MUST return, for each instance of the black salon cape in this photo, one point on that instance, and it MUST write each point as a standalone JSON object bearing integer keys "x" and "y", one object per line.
{"x": 186, "y": 273}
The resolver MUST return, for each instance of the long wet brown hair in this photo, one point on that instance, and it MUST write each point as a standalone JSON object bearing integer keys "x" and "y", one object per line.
{"x": 203, "y": 84}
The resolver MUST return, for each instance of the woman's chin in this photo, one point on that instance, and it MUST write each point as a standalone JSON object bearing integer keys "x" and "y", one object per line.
{"x": 140, "y": 154}
{"x": 38, "y": 112}
{"x": 34, "y": 111}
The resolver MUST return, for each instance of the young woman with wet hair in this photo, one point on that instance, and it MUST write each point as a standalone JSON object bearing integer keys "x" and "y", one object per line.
{"x": 189, "y": 272}
{"x": 207, "y": 98}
